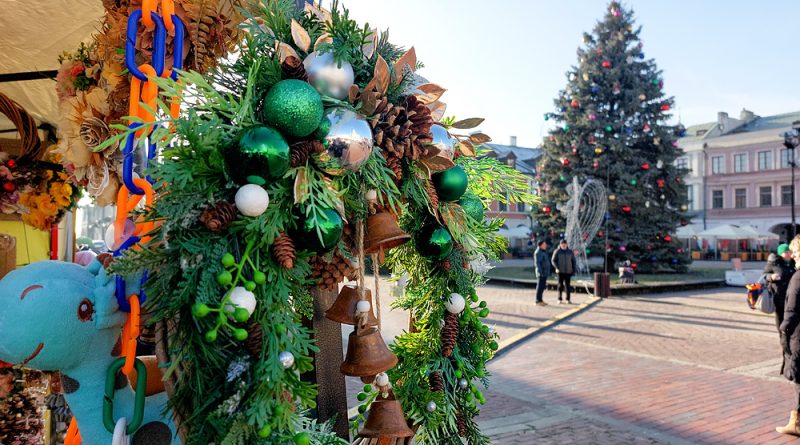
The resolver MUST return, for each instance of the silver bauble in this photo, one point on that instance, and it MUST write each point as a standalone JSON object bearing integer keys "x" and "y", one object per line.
{"x": 463, "y": 384}
{"x": 443, "y": 141}
{"x": 287, "y": 359}
{"x": 349, "y": 142}
{"x": 329, "y": 77}
{"x": 431, "y": 406}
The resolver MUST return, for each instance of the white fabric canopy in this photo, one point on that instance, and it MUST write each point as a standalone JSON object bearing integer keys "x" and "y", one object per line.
{"x": 730, "y": 232}
{"x": 32, "y": 35}
{"x": 519, "y": 232}
{"x": 687, "y": 232}
{"x": 762, "y": 234}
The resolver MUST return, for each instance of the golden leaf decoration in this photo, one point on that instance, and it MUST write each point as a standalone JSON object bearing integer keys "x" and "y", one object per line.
{"x": 324, "y": 38}
{"x": 352, "y": 93}
{"x": 382, "y": 75}
{"x": 368, "y": 49}
{"x": 437, "y": 164}
{"x": 323, "y": 15}
{"x": 479, "y": 138}
{"x": 437, "y": 110}
{"x": 285, "y": 50}
{"x": 300, "y": 36}
{"x": 466, "y": 148}
{"x": 432, "y": 93}
{"x": 369, "y": 103}
{"x": 454, "y": 218}
{"x": 466, "y": 124}
{"x": 409, "y": 59}
{"x": 301, "y": 186}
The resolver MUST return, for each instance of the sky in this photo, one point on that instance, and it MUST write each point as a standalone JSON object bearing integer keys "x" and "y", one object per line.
{"x": 505, "y": 60}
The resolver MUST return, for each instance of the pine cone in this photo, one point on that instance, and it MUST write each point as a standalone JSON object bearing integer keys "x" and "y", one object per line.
{"x": 436, "y": 382}
{"x": 300, "y": 151}
{"x": 402, "y": 131}
{"x": 447, "y": 265}
{"x": 461, "y": 424}
{"x": 449, "y": 334}
{"x": 395, "y": 165}
{"x": 283, "y": 250}
{"x": 330, "y": 274}
{"x": 434, "y": 196}
{"x": 255, "y": 339}
{"x": 218, "y": 216}
{"x": 292, "y": 68}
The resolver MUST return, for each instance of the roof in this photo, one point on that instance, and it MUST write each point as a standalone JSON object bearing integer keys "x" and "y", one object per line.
{"x": 526, "y": 157}
{"x": 759, "y": 123}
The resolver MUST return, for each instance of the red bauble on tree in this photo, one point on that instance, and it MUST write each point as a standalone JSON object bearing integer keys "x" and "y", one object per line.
{"x": 645, "y": 166}
{"x": 606, "y": 64}
{"x": 574, "y": 103}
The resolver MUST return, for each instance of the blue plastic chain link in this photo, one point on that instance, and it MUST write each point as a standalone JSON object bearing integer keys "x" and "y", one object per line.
{"x": 159, "y": 44}
{"x": 128, "y": 158}
{"x": 120, "y": 292}
{"x": 177, "y": 47}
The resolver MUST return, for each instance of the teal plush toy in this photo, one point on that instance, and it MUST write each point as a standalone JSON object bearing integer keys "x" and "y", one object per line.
{"x": 57, "y": 316}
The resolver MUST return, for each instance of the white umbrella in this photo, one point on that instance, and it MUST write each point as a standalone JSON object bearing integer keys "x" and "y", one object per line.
{"x": 762, "y": 234}
{"x": 686, "y": 232}
{"x": 728, "y": 231}
{"x": 519, "y": 232}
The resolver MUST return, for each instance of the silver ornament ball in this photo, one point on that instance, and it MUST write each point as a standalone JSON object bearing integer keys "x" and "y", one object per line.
{"x": 431, "y": 406}
{"x": 329, "y": 77}
{"x": 349, "y": 142}
{"x": 287, "y": 359}
{"x": 443, "y": 141}
{"x": 463, "y": 384}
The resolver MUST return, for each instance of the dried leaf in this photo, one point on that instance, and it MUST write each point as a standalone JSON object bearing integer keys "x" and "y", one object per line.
{"x": 409, "y": 59}
{"x": 352, "y": 94}
{"x": 424, "y": 170}
{"x": 285, "y": 50}
{"x": 381, "y": 75}
{"x": 454, "y": 218}
{"x": 466, "y": 124}
{"x": 479, "y": 138}
{"x": 437, "y": 110}
{"x": 323, "y": 15}
{"x": 300, "y": 36}
{"x": 324, "y": 38}
{"x": 301, "y": 186}
{"x": 368, "y": 49}
{"x": 437, "y": 163}
{"x": 432, "y": 93}
{"x": 369, "y": 102}
{"x": 466, "y": 148}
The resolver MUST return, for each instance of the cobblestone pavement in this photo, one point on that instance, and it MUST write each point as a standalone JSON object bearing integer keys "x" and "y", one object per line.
{"x": 682, "y": 368}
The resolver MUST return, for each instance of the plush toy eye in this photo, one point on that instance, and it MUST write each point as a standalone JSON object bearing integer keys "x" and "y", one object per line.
{"x": 86, "y": 310}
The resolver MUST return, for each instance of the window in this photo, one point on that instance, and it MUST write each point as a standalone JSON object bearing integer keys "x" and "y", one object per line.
{"x": 690, "y": 196}
{"x": 502, "y": 206}
{"x": 521, "y": 207}
{"x": 740, "y": 198}
{"x": 765, "y": 160}
{"x": 786, "y": 195}
{"x": 765, "y": 196}
{"x": 682, "y": 163}
{"x": 717, "y": 168}
{"x": 740, "y": 163}
{"x": 785, "y": 158}
{"x": 716, "y": 199}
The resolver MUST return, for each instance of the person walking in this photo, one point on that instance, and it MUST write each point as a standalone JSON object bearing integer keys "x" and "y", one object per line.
{"x": 565, "y": 265}
{"x": 541, "y": 258}
{"x": 779, "y": 271}
{"x": 790, "y": 341}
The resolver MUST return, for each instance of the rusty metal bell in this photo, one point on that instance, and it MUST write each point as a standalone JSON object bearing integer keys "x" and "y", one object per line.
{"x": 383, "y": 233}
{"x": 367, "y": 354}
{"x": 343, "y": 310}
{"x": 386, "y": 420}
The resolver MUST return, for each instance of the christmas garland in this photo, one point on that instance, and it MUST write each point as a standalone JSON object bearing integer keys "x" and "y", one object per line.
{"x": 268, "y": 188}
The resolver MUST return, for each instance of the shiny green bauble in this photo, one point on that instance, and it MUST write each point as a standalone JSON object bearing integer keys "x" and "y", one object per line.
{"x": 450, "y": 184}
{"x": 473, "y": 207}
{"x": 434, "y": 242}
{"x": 330, "y": 232}
{"x": 262, "y": 153}
{"x": 293, "y": 107}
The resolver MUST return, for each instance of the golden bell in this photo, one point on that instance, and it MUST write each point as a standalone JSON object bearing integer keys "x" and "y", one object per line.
{"x": 386, "y": 420}
{"x": 367, "y": 354}
{"x": 343, "y": 310}
{"x": 383, "y": 233}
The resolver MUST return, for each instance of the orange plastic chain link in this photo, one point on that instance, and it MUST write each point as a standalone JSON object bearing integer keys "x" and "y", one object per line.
{"x": 148, "y": 94}
{"x": 130, "y": 332}
{"x": 149, "y": 6}
{"x": 73, "y": 437}
{"x": 126, "y": 203}
{"x": 167, "y": 9}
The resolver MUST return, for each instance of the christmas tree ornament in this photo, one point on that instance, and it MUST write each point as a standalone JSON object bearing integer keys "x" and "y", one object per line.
{"x": 262, "y": 153}
{"x": 344, "y": 309}
{"x": 641, "y": 55}
{"x": 663, "y": 196}
{"x": 612, "y": 197}
{"x": 473, "y": 207}
{"x": 367, "y": 354}
{"x": 362, "y": 307}
{"x": 251, "y": 200}
{"x": 286, "y": 358}
{"x": 218, "y": 216}
{"x": 642, "y": 97}
{"x": 667, "y": 238}
{"x": 431, "y": 406}
{"x": 434, "y": 242}
{"x": 385, "y": 422}
{"x": 606, "y": 64}
{"x": 463, "y": 383}
{"x": 595, "y": 164}
{"x": 595, "y": 88}
{"x": 241, "y": 298}
{"x": 443, "y": 141}
{"x": 684, "y": 207}
{"x": 349, "y": 142}
{"x": 609, "y": 128}
{"x": 301, "y": 151}
{"x": 292, "y": 68}
{"x": 616, "y": 89}
{"x": 633, "y": 181}
{"x": 622, "y": 248}
{"x": 592, "y": 117}
{"x": 321, "y": 234}
{"x": 435, "y": 381}
{"x": 657, "y": 140}
{"x": 450, "y": 184}
{"x": 455, "y": 303}
{"x": 546, "y": 210}
{"x": 645, "y": 166}
{"x": 565, "y": 162}
{"x": 293, "y": 107}
{"x": 660, "y": 183}
{"x": 449, "y": 333}
{"x": 383, "y": 233}
{"x": 284, "y": 251}
{"x": 382, "y": 379}
{"x": 664, "y": 107}
{"x": 330, "y": 77}
{"x": 647, "y": 204}
{"x": 598, "y": 150}
{"x": 626, "y": 209}
{"x": 574, "y": 103}
{"x": 654, "y": 81}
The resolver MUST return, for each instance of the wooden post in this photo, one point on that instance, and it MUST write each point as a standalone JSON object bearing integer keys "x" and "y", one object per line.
{"x": 332, "y": 392}
{"x": 8, "y": 254}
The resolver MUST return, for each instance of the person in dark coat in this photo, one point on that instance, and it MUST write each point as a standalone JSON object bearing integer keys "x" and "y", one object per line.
{"x": 790, "y": 341}
{"x": 565, "y": 265}
{"x": 779, "y": 271}
{"x": 542, "y": 260}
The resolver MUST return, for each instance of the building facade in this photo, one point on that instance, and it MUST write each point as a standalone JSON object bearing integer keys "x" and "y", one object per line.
{"x": 740, "y": 172}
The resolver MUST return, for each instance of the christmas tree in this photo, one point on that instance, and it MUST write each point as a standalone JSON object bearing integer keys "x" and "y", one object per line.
{"x": 611, "y": 126}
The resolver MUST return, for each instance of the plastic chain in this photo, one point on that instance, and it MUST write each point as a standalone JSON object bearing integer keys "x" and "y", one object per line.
{"x": 73, "y": 437}
{"x": 138, "y": 401}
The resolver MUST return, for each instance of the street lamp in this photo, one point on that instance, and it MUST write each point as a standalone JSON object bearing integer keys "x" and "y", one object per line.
{"x": 791, "y": 139}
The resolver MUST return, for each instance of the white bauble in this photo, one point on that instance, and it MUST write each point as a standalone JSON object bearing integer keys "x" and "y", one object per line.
{"x": 362, "y": 307}
{"x": 287, "y": 359}
{"x": 329, "y": 77}
{"x": 382, "y": 379}
{"x": 431, "y": 406}
{"x": 252, "y": 200}
{"x": 455, "y": 304}
{"x": 243, "y": 298}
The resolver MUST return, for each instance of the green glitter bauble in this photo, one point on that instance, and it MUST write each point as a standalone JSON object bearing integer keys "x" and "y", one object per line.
{"x": 322, "y": 131}
{"x": 473, "y": 207}
{"x": 293, "y": 107}
{"x": 434, "y": 242}
{"x": 262, "y": 153}
{"x": 450, "y": 184}
{"x": 330, "y": 232}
